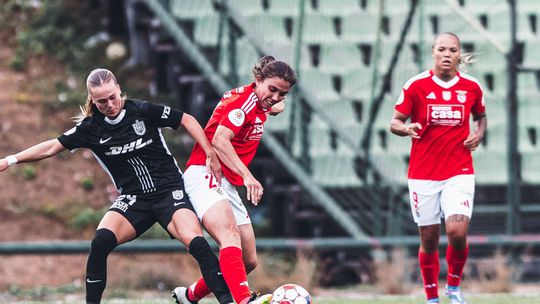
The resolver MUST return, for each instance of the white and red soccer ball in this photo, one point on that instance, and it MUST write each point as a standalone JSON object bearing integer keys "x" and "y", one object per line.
{"x": 290, "y": 294}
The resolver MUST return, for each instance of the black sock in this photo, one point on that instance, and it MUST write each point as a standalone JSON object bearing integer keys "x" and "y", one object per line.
{"x": 96, "y": 268}
{"x": 209, "y": 264}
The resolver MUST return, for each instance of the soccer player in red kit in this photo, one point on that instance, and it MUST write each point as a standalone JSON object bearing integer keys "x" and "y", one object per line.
{"x": 235, "y": 130}
{"x": 439, "y": 103}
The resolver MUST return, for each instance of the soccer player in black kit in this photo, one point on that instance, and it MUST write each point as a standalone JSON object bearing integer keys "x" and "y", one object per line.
{"x": 125, "y": 137}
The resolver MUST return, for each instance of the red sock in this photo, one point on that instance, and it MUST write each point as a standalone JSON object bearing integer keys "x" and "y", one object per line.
{"x": 198, "y": 290}
{"x": 429, "y": 266}
{"x": 456, "y": 262}
{"x": 234, "y": 273}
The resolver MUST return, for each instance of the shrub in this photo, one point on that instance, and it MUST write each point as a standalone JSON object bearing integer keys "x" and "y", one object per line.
{"x": 87, "y": 183}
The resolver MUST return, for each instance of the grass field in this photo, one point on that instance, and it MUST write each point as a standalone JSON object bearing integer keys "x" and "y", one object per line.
{"x": 479, "y": 299}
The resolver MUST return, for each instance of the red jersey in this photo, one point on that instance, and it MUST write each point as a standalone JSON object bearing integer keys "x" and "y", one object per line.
{"x": 239, "y": 111}
{"x": 443, "y": 109}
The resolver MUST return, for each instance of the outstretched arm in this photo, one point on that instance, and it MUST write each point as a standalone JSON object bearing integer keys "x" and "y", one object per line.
{"x": 196, "y": 131}
{"x": 227, "y": 154}
{"x": 40, "y": 151}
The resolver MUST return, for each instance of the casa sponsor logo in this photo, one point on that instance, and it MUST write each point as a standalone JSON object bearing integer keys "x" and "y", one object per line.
{"x": 237, "y": 117}
{"x": 446, "y": 115}
{"x": 132, "y": 146}
{"x": 165, "y": 114}
{"x": 139, "y": 127}
{"x": 123, "y": 202}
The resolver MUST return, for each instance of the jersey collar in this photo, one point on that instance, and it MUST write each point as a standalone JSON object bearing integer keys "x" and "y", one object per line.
{"x": 117, "y": 119}
{"x": 445, "y": 84}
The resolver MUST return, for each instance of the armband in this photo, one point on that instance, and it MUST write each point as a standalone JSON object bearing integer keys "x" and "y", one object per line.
{"x": 11, "y": 160}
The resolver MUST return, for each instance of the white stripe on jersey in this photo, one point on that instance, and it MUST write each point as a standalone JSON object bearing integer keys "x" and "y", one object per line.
{"x": 469, "y": 77}
{"x": 424, "y": 74}
{"x": 138, "y": 174}
{"x": 164, "y": 143}
{"x": 146, "y": 173}
{"x": 250, "y": 103}
{"x": 142, "y": 173}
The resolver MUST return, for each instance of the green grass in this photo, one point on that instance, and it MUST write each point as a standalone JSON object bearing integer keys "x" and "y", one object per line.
{"x": 480, "y": 299}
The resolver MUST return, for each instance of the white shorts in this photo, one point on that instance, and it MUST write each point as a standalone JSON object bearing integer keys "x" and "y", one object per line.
{"x": 431, "y": 200}
{"x": 204, "y": 191}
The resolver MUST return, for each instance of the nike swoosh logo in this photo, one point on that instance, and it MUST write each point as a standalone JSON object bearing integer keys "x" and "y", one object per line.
{"x": 92, "y": 281}
{"x": 178, "y": 203}
{"x": 102, "y": 141}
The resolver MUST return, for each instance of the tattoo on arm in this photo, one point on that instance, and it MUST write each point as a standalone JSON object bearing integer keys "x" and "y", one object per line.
{"x": 458, "y": 218}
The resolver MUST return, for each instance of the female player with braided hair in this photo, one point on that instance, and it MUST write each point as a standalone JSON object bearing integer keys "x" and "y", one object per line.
{"x": 440, "y": 103}
{"x": 235, "y": 130}
{"x": 125, "y": 137}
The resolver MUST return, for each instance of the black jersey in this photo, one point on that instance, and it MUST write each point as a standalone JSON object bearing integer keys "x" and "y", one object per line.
{"x": 131, "y": 148}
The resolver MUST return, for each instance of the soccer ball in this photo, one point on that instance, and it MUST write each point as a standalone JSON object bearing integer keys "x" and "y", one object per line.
{"x": 290, "y": 294}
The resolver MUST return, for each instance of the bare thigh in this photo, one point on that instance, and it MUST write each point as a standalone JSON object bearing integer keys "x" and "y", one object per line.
{"x": 220, "y": 223}
{"x": 119, "y": 225}
{"x": 184, "y": 226}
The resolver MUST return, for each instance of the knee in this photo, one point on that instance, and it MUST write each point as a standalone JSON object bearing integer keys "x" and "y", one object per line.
{"x": 228, "y": 235}
{"x": 457, "y": 238}
{"x": 104, "y": 241}
{"x": 430, "y": 242}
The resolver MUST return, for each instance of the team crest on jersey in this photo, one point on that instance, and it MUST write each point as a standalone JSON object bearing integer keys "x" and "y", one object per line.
{"x": 461, "y": 96}
{"x": 446, "y": 95}
{"x": 139, "y": 127}
{"x": 178, "y": 194}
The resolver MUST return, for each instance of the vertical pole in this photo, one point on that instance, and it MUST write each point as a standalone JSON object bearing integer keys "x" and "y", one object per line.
{"x": 513, "y": 197}
{"x": 296, "y": 107}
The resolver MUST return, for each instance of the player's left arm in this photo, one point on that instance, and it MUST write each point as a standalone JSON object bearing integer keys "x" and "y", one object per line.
{"x": 196, "y": 131}
{"x": 475, "y": 138}
{"x": 480, "y": 120}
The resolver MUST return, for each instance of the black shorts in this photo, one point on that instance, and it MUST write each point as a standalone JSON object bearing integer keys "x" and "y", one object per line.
{"x": 143, "y": 211}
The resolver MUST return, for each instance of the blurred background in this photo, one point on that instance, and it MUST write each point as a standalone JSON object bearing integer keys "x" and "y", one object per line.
{"x": 335, "y": 210}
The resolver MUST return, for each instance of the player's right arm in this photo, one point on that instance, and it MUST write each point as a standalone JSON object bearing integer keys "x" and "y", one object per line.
{"x": 399, "y": 125}
{"x": 38, "y": 152}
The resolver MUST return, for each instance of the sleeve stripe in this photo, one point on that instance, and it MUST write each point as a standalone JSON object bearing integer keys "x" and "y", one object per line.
{"x": 469, "y": 77}
{"x": 249, "y": 104}
{"x": 424, "y": 74}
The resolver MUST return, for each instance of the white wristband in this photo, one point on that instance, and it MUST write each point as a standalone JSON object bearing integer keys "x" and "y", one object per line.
{"x": 11, "y": 160}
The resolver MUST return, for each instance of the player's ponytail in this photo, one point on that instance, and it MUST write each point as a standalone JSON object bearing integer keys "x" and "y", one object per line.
{"x": 465, "y": 59}
{"x": 269, "y": 67}
{"x": 96, "y": 78}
